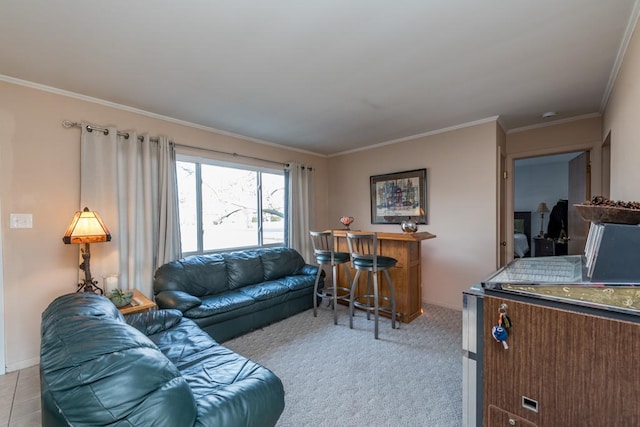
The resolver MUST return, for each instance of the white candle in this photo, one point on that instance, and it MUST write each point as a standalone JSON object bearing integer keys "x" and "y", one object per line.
{"x": 110, "y": 283}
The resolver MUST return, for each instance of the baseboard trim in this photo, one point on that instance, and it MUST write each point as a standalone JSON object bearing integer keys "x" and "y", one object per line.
{"x": 23, "y": 364}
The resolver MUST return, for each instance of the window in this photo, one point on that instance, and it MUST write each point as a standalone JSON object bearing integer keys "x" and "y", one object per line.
{"x": 226, "y": 206}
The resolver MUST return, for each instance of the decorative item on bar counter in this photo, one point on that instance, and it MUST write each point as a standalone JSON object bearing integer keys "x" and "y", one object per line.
{"x": 346, "y": 221}
{"x": 409, "y": 225}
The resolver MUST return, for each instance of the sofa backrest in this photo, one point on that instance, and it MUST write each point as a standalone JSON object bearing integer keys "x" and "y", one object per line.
{"x": 97, "y": 370}
{"x": 202, "y": 275}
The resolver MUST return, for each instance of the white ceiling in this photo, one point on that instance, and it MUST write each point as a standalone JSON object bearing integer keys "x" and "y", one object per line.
{"x": 325, "y": 76}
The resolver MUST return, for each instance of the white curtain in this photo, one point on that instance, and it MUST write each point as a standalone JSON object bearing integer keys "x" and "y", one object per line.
{"x": 132, "y": 185}
{"x": 301, "y": 209}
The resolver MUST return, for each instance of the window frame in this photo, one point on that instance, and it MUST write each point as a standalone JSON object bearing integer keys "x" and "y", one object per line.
{"x": 259, "y": 170}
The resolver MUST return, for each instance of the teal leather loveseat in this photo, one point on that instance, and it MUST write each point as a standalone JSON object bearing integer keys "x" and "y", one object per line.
{"x": 229, "y": 294}
{"x": 98, "y": 368}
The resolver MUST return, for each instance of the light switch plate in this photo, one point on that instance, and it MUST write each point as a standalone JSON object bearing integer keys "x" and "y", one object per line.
{"x": 20, "y": 220}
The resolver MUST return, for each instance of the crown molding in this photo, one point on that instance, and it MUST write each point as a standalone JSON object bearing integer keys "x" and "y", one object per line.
{"x": 631, "y": 25}
{"x": 420, "y": 135}
{"x": 122, "y": 107}
{"x": 555, "y": 122}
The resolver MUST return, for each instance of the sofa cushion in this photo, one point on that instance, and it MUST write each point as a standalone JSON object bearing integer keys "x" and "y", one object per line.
{"x": 229, "y": 389}
{"x": 153, "y": 322}
{"x": 216, "y": 304}
{"x": 178, "y": 300}
{"x": 89, "y": 362}
{"x": 243, "y": 268}
{"x": 280, "y": 262}
{"x": 298, "y": 282}
{"x": 208, "y": 273}
{"x": 265, "y": 290}
{"x": 197, "y": 275}
{"x": 83, "y": 304}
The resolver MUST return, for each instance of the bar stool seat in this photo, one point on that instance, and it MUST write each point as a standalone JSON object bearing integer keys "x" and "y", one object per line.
{"x": 323, "y": 249}
{"x": 363, "y": 252}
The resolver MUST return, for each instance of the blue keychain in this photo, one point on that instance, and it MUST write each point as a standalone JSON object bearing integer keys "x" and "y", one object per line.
{"x": 499, "y": 332}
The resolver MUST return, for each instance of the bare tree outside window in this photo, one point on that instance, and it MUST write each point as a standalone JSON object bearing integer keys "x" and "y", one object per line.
{"x": 232, "y": 207}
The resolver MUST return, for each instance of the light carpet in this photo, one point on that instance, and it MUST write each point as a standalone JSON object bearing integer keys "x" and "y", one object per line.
{"x": 336, "y": 376}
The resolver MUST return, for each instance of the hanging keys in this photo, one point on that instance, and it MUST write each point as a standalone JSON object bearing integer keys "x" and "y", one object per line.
{"x": 503, "y": 318}
{"x": 500, "y": 334}
{"x": 506, "y": 321}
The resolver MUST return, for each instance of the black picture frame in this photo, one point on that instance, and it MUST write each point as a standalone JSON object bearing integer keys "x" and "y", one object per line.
{"x": 398, "y": 196}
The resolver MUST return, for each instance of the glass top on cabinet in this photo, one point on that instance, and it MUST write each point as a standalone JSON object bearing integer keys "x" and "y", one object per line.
{"x": 564, "y": 278}
{"x": 541, "y": 270}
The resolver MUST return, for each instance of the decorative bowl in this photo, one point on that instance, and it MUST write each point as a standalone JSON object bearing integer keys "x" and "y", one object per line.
{"x": 409, "y": 226}
{"x": 120, "y": 298}
{"x": 346, "y": 221}
{"x": 610, "y": 214}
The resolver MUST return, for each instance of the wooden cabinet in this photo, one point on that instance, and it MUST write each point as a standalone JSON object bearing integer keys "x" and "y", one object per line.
{"x": 406, "y": 275}
{"x": 500, "y": 418}
{"x": 577, "y": 369}
{"x": 543, "y": 247}
{"x": 548, "y": 247}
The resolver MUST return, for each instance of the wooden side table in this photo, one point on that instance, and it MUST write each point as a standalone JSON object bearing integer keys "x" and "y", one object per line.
{"x": 139, "y": 304}
{"x": 543, "y": 247}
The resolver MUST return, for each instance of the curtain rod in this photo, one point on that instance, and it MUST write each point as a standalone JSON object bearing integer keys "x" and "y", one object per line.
{"x": 91, "y": 128}
{"x": 69, "y": 124}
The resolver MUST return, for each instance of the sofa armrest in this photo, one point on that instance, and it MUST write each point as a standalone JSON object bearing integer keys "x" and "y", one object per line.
{"x": 177, "y": 299}
{"x": 152, "y": 322}
{"x": 310, "y": 270}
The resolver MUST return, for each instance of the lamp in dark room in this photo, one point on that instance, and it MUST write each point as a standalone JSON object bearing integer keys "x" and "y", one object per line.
{"x": 87, "y": 227}
{"x": 542, "y": 209}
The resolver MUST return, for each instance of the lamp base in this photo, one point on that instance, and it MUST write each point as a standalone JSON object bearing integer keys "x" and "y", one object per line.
{"x": 90, "y": 286}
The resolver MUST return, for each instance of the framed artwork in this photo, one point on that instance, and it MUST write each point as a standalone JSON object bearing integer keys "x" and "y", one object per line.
{"x": 398, "y": 196}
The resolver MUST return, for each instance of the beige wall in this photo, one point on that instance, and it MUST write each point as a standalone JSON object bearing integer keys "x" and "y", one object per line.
{"x": 39, "y": 174}
{"x": 461, "y": 203}
{"x": 559, "y": 138}
{"x": 577, "y": 135}
{"x": 622, "y": 119}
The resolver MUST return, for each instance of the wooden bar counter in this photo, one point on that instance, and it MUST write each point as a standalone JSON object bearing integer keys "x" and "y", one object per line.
{"x": 406, "y": 275}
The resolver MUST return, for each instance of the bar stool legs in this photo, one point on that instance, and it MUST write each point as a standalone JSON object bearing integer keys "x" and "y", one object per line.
{"x": 372, "y": 301}
{"x": 333, "y": 293}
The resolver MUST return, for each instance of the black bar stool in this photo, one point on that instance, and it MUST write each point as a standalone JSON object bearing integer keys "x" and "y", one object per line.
{"x": 363, "y": 250}
{"x": 323, "y": 250}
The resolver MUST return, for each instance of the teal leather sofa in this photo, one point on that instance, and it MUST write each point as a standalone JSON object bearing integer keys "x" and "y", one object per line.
{"x": 98, "y": 368}
{"x": 229, "y": 294}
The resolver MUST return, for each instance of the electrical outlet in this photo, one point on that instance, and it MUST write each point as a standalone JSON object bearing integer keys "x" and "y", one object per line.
{"x": 20, "y": 220}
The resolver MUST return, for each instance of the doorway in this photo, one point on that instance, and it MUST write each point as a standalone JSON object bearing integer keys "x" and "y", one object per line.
{"x": 547, "y": 187}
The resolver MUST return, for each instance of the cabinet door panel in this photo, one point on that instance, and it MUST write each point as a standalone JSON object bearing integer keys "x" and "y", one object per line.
{"x": 581, "y": 369}
{"x": 500, "y": 418}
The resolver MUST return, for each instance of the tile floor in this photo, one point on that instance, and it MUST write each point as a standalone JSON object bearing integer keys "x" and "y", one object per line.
{"x": 20, "y": 398}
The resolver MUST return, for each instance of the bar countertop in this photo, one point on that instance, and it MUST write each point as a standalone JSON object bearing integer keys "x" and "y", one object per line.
{"x": 411, "y": 237}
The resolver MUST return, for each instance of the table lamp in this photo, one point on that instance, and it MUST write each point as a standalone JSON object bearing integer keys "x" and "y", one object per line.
{"x": 87, "y": 227}
{"x": 542, "y": 209}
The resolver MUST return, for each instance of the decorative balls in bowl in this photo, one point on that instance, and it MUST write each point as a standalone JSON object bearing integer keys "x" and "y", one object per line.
{"x": 346, "y": 221}
{"x": 120, "y": 298}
